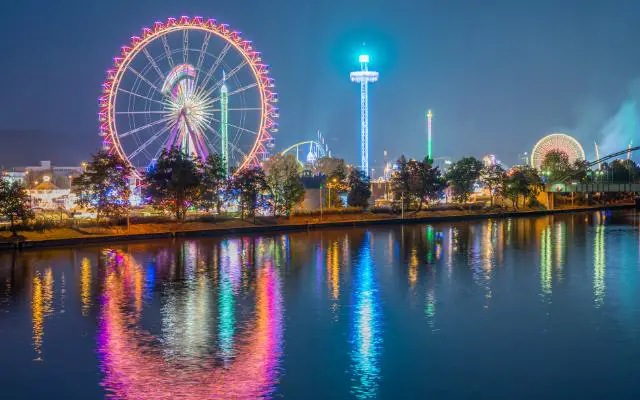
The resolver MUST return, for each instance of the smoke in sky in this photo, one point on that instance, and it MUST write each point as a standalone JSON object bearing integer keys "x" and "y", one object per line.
{"x": 622, "y": 127}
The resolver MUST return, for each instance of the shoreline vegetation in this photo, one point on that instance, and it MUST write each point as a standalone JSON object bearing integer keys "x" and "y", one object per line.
{"x": 141, "y": 229}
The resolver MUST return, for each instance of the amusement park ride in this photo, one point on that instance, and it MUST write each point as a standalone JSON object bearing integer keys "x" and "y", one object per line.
{"x": 191, "y": 83}
{"x": 198, "y": 85}
{"x": 311, "y": 149}
{"x": 364, "y": 77}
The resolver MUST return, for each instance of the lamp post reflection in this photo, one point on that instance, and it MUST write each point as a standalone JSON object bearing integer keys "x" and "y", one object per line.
{"x": 599, "y": 266}
{"x": 85, "y": 286}
{"x": 37, "y": 316}
{"x": 546, "y": 258}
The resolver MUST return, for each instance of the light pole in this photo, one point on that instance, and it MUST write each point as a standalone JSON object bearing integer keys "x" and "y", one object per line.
{"x": 321, "y": 202}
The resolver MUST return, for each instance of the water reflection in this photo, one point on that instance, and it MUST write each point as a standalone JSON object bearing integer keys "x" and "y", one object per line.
{"x": 85, "y": 285}
{"x": 366, "y": 330}
{"x": 138, "y": 364}
{"x": 599, "y": 266}
{"x": 41, "y": 307}
{"x": 206, "y": 318}
{"x": 37, "y": 316}
{"x": 230, "y": 264}
{"x": 546, "y": 261}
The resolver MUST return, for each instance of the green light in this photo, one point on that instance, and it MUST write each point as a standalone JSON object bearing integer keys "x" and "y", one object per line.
{"x": 224, "y": 115}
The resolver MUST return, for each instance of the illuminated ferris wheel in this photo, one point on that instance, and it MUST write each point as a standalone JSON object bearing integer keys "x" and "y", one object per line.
{"x": 190, "y": 83}
{"x": 556, "y": 142}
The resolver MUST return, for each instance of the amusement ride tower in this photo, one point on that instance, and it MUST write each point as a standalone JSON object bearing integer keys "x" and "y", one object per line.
{"x": 429, "y": 154}
{"x": 364, "y": 77}
{"x": 224, "y": 122}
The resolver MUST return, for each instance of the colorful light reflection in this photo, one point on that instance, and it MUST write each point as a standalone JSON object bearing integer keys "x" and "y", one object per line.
{"x": 366, "y": 331}
{"x": 135, "y": 365}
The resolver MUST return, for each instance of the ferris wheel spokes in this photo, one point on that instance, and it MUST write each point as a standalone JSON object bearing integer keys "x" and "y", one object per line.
{"x": 238, "y": 109}
{"x": 148, "y": 82}
{"x": 153, "y": 63}
{"x": 141, "y": 128}
{"x": 167, "y": 50}
{"x": 218, "y": 135}
{"x": 240, "y": 90}
{"x": 185, "y": 46}
{"x": 236, "y": 126}
{"x": 203, "y": 51}
{"x": 139, "y": 95}
{"x": 216, "y": 64}
{"x": 220, "y": 82}
{"x": 149, "y": 141}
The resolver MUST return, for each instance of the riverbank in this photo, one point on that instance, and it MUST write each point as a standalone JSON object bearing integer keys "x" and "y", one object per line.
{"x": 95, "y": 235}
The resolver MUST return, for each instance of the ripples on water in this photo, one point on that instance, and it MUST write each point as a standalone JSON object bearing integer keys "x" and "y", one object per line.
{"x": 485, "y": 309}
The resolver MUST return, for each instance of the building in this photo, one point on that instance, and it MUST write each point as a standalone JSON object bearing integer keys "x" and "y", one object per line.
{"x": 47, "y": 196}
{"x": 49, "y": 186}
{"x": 31, "y": 176}
{"x": 312, "y": 191}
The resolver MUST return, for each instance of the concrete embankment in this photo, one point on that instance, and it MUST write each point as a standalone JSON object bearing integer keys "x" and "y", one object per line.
{"x": 213, "y": 230}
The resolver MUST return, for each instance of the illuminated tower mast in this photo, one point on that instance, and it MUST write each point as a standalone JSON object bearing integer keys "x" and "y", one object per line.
{"x": 224, "y": 114}
{"x": 364, "y": 77}
{"x": 629, "y": 150}
{"x": 429, "y": 154}
{"x": 597, "y": 152}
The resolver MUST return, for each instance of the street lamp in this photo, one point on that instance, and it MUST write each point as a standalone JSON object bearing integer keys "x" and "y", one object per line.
{"x": 321, "y": 202}
{"x": 331, "y": 185}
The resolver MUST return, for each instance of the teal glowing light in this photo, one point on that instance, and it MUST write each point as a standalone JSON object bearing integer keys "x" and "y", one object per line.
{"x": 364, "y": 58}
{"x": 229, "y": 266}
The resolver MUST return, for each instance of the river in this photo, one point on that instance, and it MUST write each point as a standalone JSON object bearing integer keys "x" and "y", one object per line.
{"x": 541, "y": 307}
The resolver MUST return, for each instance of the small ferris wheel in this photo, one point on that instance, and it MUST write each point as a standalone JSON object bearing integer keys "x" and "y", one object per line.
{"x": 556, "y": 142}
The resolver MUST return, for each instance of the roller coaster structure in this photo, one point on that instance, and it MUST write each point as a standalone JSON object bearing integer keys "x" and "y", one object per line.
{"x": 311, "y": 150}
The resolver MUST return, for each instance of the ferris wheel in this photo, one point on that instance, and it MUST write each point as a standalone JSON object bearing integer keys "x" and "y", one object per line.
{"x": 190, "y": 83}
{"x": 556, "y": 142}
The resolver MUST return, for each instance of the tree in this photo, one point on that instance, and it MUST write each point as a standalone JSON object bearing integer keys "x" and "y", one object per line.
{"x": 493, "y": 176}
{"x": 249, "y": 186}
{"x": 335, "y": 172}
{"x": 15, "y": 204}
{"x": 622, "y": 170}
{"x": 522, "y": 181}
{"x": 555, "y": 165}
{"x": 534, "y": 182}
{"x": 359, "y": 189}
{"x": 214, "y": 179}
{"x": 462, "y": 176}
{"x": 426, "y": 183}
{"x": 417, "y": 182}
{"x": 401, "y": 180}
{"x": 103, "y": 186}
{"x": 174, "y": 181}
{"x": 581, "y": 171}
{"x": 515, "y": 185}
{"x": 330, "y": 166}
{"x": 283, "y": 179}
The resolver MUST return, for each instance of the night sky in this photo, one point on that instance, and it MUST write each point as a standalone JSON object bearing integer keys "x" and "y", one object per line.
{"x": 498, "y": 74}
